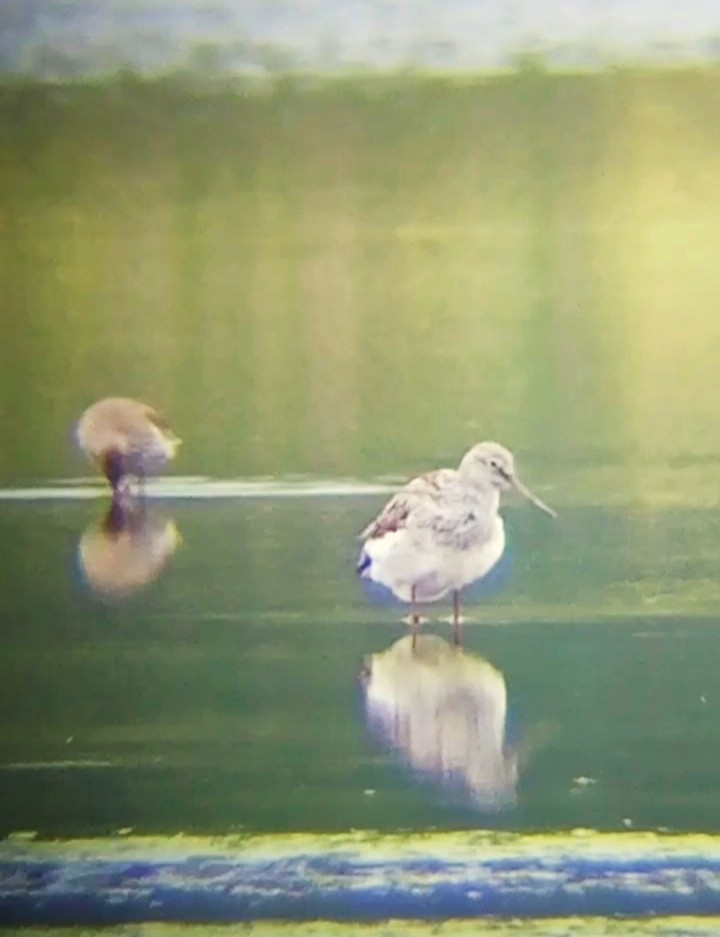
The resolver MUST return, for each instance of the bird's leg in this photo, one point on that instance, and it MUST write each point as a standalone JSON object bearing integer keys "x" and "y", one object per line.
{"x": 457, "y": 625}
{"x": 112, "y": 465}
{"x": 414, "y": 617}
{"x": 116, "y": 513}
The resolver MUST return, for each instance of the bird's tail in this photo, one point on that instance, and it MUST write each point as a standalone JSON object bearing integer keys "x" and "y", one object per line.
{"x": 363, "y": 564}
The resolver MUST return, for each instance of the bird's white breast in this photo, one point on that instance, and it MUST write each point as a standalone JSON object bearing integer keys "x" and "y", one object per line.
{"x": 407, "y": 558}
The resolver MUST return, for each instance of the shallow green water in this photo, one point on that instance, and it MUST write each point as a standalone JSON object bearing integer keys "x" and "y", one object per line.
{"x": 357, "y": 283}
{"x": 226, "y": 694}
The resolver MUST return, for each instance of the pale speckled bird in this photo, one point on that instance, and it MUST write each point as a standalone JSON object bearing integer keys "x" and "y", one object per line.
{"x": 442, "y": 531}
{"x": 125, "y": 439}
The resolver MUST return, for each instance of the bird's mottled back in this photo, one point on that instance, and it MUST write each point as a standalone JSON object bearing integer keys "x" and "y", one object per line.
{"x": 420, "y": 495}
{"x": 116, "y": 422}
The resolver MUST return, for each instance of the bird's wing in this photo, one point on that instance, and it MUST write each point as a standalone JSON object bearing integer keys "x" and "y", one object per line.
{"x": 418, "y": 498}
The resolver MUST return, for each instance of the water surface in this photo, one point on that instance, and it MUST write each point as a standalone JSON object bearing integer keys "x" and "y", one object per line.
{"x": 328, "y": 289}
{"x": 225, "y": 692}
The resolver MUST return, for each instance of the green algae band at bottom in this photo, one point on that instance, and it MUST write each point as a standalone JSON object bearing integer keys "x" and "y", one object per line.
{"x": 551, "y": 927}
{"x": 358, "y": 878}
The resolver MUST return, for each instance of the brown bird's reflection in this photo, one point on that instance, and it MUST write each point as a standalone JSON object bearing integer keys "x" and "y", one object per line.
{"x": 444, "y": 711}
{"x": 127, "y": 549}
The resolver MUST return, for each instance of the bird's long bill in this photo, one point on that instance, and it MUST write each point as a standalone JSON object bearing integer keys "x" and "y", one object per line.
{"x": 525, "y": 492}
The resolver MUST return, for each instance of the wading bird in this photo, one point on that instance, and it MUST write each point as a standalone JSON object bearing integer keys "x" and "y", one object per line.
{"x": 125, "y": 439}
{"x": 442, "y": 530}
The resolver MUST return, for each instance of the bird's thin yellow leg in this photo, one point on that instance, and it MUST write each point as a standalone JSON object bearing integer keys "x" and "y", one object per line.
{"x": 457, "y": 624}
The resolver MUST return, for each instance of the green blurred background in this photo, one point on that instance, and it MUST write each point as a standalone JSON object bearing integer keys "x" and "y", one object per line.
{"x": 360, "y": 276}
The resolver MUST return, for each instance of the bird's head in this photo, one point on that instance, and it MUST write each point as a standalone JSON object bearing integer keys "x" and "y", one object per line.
{"x": 490, "y": 464}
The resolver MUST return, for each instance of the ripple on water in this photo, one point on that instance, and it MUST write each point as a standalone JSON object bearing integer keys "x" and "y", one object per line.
{"x": 203, "y": 488}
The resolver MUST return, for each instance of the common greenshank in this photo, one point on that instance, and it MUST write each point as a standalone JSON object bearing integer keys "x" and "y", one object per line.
{"x": 442, "y": 530}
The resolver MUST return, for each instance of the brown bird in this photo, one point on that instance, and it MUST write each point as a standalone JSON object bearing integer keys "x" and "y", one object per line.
{"x": 125, "y": 439}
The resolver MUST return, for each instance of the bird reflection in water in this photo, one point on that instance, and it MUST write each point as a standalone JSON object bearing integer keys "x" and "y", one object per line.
{"x": 127, "y": 549}
{"x": 444, "y": 711}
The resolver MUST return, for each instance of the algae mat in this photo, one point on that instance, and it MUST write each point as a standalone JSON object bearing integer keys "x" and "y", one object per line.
{"x": 358, "y": 877}
{"x": 556, "y": 927}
